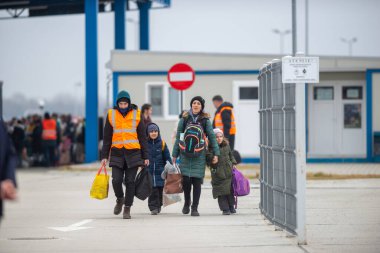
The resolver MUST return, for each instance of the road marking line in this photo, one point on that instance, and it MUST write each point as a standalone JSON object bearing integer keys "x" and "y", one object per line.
{"x": 73, "y": 227}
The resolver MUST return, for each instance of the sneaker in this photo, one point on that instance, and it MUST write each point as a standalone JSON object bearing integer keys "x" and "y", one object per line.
{"x": 194, "y": 212}
{"x": 232, "y": 210}
{"x": 118, "y": 206}
{"x": 226, "y": 212}
{"x": 154, "y": 212}
{"x": 127, "y": 212}
{"x": 186, "y": 209}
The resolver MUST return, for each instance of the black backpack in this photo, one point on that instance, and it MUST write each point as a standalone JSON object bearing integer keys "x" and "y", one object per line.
{"x": 237, "y": 156}
{"x": 194, "y": 139}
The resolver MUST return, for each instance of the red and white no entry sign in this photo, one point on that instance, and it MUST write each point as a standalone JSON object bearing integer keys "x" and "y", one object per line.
{"x": 181, "y": 76}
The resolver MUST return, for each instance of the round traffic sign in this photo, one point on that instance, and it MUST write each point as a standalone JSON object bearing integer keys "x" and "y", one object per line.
{"x": 181, "y": 76}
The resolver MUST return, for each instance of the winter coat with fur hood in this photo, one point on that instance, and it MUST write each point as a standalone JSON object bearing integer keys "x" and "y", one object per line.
{"x": 221, "y": 172}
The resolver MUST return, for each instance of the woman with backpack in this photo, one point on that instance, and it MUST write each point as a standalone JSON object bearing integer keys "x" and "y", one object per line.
{"x": 191, "y": 143}
{"x": 221, "y": 174}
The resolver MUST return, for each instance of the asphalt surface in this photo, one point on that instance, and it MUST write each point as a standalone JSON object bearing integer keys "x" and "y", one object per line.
{"x": 54, "y": 213}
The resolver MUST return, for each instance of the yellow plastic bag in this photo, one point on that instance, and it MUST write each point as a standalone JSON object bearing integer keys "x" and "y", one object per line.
{"x": 100, "y": 186}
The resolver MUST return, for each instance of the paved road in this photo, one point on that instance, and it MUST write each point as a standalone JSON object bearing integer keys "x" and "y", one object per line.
{"x": 342, "y": 216}
{"x": 345, "y": 168}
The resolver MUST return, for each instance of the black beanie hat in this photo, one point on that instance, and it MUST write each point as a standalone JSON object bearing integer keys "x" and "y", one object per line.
{"x": 200, "y": 99}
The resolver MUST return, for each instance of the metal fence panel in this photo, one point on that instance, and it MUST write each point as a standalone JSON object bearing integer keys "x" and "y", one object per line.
{"x": 278, "y": 166}
{"x": 290, "y": 173}
{"x": 279, "y": 208}
{"x": 279, "y": 170}
{"x": 278, "y": 130}
{"x": 291, "y": 215}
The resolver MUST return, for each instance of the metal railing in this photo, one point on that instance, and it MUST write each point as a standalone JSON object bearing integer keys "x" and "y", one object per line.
{"x": 282, "y": 163}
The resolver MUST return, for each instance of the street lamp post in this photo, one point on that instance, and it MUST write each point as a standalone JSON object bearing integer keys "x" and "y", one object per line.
{"x": 41, "y": 106}
{"x": 282, "y": 35}
{"x": 349, "y": 42}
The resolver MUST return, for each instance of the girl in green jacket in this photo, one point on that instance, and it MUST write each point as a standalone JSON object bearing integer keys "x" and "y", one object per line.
{"x": 221, "y": 174}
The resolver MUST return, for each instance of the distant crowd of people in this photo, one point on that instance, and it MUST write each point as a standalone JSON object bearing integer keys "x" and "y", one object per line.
{"x": 47, "y": 140}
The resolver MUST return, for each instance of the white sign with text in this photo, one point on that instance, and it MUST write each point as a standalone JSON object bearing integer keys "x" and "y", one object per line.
{"x": 300, "y": 70}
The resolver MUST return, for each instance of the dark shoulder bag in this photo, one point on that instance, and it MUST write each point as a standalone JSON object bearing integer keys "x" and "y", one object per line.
{"x": 143, "y": 183}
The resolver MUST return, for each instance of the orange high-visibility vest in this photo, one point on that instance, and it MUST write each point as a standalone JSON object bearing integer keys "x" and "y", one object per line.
{"x": 124, "y": 129}
{"x": 219, "y": 122}
{"x": 49, "y": 130}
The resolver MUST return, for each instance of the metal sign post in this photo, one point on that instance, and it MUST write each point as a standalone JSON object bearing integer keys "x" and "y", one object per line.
{"x": 301, "y": 162}
{"x": 300, "y": 70}
{"x": 181, "y": 101}
{"x": 181, "y": 77}
{"x": 294, "y": 27}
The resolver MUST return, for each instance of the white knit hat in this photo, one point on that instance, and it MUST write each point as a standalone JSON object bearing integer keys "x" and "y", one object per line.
{"x": 218, "y": 131}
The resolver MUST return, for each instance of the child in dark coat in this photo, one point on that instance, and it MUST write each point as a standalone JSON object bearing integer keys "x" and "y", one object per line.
{"x": 158, "y": 155}
{"x": 221, "y": 175}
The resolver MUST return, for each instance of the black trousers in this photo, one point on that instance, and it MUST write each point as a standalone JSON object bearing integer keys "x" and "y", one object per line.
{"x": 197, "y": 186}
{"x": 226, "y": 202}
{"x": 231, "y": 140}
{"x": 129, "y": 175}
{"x": 49, "y": 148}
{"x": 155, "y": 199}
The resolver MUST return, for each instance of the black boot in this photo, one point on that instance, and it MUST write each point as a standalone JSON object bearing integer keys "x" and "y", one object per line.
{"x": 118, "y": 206}
{"x": 194, "y": 211}
{"x": 127, "y": 212}
{"x": 186, "y": 209}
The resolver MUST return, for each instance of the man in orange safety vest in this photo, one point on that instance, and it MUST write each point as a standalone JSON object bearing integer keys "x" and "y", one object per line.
{"x": 225, "y": 119}
{"x": 49, "y": 139}
{"x": 126, "y": 145}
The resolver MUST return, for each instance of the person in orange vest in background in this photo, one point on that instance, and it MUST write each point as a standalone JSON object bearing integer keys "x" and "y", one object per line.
{"x": 49, "y": 139}
{"x": 125, "y": 138}
{"x": 225, "y": 119}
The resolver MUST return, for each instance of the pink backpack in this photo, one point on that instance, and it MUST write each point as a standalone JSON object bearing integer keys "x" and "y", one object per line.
{"x": 240, "y": 184}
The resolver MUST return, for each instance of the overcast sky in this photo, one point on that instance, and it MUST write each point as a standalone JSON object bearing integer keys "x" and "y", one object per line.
{"x": 44, "y": 57}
